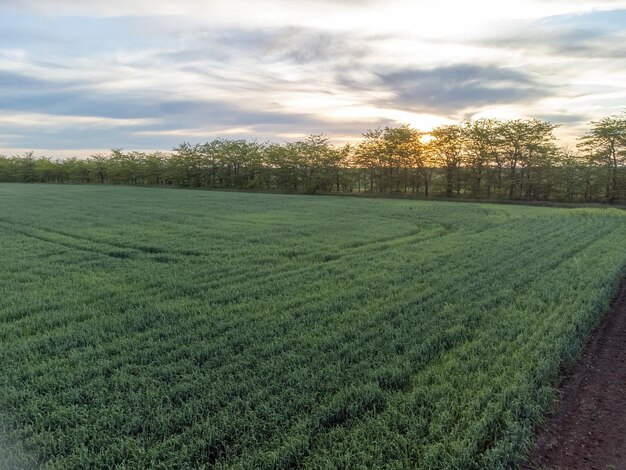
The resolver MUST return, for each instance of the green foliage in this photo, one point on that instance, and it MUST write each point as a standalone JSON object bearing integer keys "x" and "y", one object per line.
{"x": 146, "y": 328}
{"x": 605, "y": 145}
{"x": 487, "y": 159}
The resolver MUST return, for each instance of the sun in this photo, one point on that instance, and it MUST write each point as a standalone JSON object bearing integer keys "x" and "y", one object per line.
{"x": 425, "y": 138}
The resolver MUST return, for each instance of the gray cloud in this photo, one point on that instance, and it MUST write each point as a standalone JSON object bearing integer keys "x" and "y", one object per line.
{"x": 574, "y": 42}
{"x": 451, "y": 89}
{"x": 203, "y": 54}
{"x": 180, "y": 73}
{"x": 594, "y": 36}
{"x": 288, "y": 44}
{"x": 186, "y": 118}
{"x": 565, "y": 118}
{"x": 11, "y": 82}
{"x": 49, "y": 99}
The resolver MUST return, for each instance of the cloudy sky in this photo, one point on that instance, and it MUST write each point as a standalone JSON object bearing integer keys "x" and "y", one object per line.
{"x": 78, "y": 76}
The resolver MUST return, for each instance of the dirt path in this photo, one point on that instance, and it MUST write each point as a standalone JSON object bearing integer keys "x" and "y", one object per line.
{"x": 588, "y": 430}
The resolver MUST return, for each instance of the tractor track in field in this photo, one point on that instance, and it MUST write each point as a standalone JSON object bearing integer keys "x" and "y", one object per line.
{"x": 588, "y": 428}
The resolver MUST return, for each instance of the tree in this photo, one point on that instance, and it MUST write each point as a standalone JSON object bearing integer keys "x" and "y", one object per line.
{"x": 387, "y": 154}
{"x": 515, "y": 159}
{"x": 526, "y": 145}
{"x": 99, "y": 165}
{"x": 153, "y": 168}
{"x": 605, "y": 144}
{"x": 403, "y": 152}
{"x": 482, "y": 148}
{"x": 368, "y": 157}
{"x": 447, "y": 147}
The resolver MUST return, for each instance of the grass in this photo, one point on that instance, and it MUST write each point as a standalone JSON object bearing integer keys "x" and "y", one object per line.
{"x": 147, "y": 328}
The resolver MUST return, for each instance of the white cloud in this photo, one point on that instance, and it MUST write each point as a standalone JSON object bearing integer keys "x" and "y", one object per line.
{"x": 38, "y": 121}
{"x": 197, "y": 69}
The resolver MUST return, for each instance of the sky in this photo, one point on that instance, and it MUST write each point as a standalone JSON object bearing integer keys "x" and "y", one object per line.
{"x": 78, "y": 77}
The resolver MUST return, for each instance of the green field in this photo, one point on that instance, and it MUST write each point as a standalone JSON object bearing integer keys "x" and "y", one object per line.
{"x": 156, "y": 328}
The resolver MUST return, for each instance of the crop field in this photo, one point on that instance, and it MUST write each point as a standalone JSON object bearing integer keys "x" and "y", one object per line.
{"x": 157, "y": 328}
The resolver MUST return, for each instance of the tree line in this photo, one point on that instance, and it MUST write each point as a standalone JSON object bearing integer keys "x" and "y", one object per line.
{"x": 484, "y": 159}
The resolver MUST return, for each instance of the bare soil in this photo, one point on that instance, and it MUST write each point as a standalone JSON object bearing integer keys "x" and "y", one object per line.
{"x": 588, "y": 429}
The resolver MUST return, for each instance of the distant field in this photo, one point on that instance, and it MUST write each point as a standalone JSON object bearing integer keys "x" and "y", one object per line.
{"x": 147, "y": 328}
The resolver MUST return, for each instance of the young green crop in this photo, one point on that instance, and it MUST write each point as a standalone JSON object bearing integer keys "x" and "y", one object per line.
{"x": 153, "y": 328}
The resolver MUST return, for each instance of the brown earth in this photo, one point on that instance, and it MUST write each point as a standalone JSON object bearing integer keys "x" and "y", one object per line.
{"x": 588, "y": 429}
